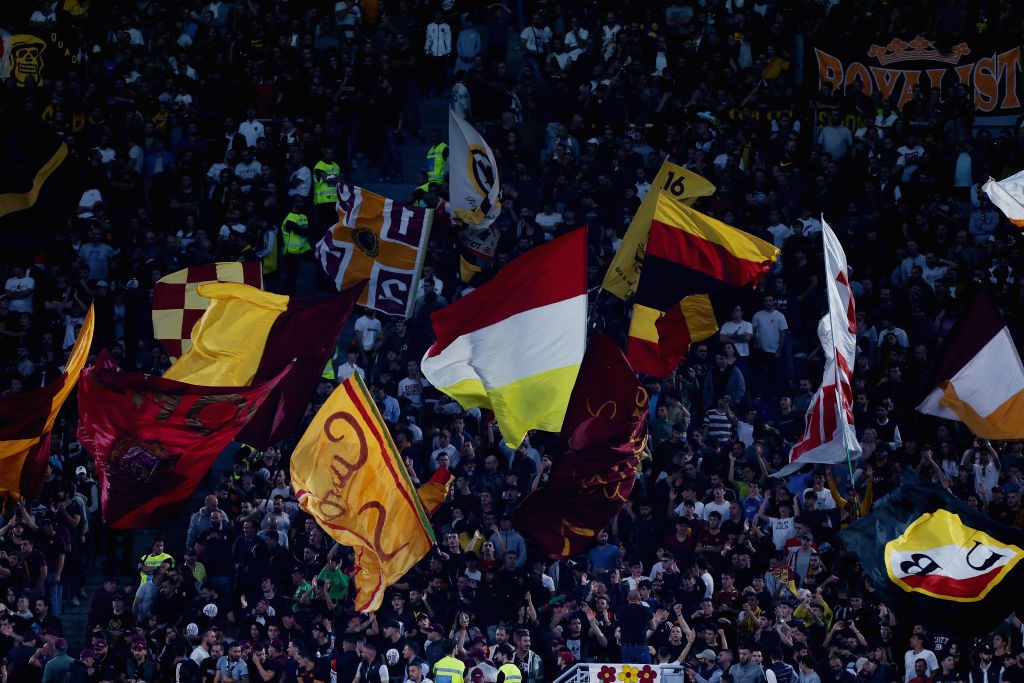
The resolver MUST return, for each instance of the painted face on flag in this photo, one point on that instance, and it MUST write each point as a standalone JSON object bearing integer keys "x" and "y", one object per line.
{"x": 943, "y": 558}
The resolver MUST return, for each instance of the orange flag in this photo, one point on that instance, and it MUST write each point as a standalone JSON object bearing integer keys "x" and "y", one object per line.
{"x": 348, "y": 475}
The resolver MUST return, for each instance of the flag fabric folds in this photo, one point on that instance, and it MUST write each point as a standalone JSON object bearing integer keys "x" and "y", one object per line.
{"x": 515, "y": 344}
{"x": 932, "y": 555}
{"x": 41, "y": 184}
{"x": 1008, "y": 196}
{"x": 27, "y": 418}
{"x": 658, "y": 342}
{"x": 153, "y": 439}
{"x": 690, "y": 253}
{"x": 347, "y": 473}
{"x": 977, "y": 376}
{"x": 674, "y": 182}
{"x": 603, "y": 436}
{"x": 433, "y": 492}
{"x": 829, "y": 435}
{"x": 379, "y": 240}
{"x": 177, "y": 305}
{"x": 248, "y": 336}
{"x": 475, "y": 190}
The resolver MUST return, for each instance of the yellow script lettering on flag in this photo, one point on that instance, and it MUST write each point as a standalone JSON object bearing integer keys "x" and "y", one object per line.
{"x": 347, "y": 473}
{"x": 673, "y": 181}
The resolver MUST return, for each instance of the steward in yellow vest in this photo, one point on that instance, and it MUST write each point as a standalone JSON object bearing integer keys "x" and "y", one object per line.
{"x": 295, "y": 247}
{"x": 507, "y": 671}
{"x": 326, "y": 174}
{"x": 449, "y": 669}
{"x": 437, "y": 159}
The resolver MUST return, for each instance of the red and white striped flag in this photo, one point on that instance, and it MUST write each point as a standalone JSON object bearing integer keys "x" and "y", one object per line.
{"x": 829, "y": 435}
{"x": 177, "y": 306}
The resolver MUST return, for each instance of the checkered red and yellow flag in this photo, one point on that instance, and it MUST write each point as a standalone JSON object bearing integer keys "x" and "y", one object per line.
{"x": 177, "y": 307}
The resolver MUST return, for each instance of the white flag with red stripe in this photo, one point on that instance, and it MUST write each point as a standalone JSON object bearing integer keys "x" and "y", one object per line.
{"x": 1008, "y": 196}
{"x": 829, "y": 435}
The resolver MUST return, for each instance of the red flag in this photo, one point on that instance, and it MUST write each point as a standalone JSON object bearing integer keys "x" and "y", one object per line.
{"x": 603, "y": 435}
{"x": 154, "y": 439}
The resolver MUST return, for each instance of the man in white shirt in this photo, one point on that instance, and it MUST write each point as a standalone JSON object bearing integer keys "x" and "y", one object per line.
{"x": 770, "y": 329}
{"x": 438, "y": 48}
{"x": 737, "y": 332}
{"x": 251, "y": 129}
{"x": 20, "y": 289}
{"x": 368, "y": 330}
{"x": 917, "y": 651}
{"x": 835, "y": 138}
{"x": 534, "y": 41}
{"x": 248, "y": 169}
{"x": 444, "y": 445}
{"x": 411, "y": 387}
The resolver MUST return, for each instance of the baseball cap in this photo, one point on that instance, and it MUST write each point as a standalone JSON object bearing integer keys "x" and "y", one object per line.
{"x": 81, "y": 470}
{"x": 708, "y": 654}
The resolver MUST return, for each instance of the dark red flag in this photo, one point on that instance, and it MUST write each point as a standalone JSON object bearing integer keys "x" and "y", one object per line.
{"x": 603, "y": 435}
{"x": 154, "y": 439}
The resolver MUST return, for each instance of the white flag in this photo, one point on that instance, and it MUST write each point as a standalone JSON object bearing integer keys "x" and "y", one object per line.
{"x": 1008, "y": 196}
{"x": 829, "y": 435}
{"x": 472, "y": 174}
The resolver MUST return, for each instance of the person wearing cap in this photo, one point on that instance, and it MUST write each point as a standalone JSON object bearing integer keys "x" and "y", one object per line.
{"x": 140, "y": 666}
{"x": 449, "y": 668}
{"x": 707, "y": 670}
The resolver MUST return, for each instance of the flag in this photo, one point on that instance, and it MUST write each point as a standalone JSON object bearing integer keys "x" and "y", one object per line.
{"x": 658, "y": 341}
{"x": 1008, "y": 196}
{"x": 515, "y": 344}
{"x": 153, "y": 439}
{"x": 27, "y": 418}
{"x": 474, "y": 187}
{"x": 248, "y": 336}
{"x": 829, "y": 435}
{"x": 932, "y": 556}
{"x": 690, "y": 253}
{"x": 434, "y": 492}
{"x": 976, "y": 376}
{"x": 348, "y": 474}
{"x": 467, "y": 270}
{"x": 672, "y": 181}
{"x": 177, "y": 306}
{"x": 379, "y": 240}
{"x": 41, "y": 183}
{"x": 603, "y": 436}
{"x": 480, "y": 241}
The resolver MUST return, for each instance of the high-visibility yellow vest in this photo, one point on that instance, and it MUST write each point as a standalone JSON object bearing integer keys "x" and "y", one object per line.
{"x": 426, "y": 188}
{"x": 325, "y": 182}
{"x": 270, "y": 259}
{"x": 448, "y": 670}
{"x": 437, "y": 165}
{"x": 293, "y": 242}
{"x": 512, "y": 672}
{"x": 328, "y": 372}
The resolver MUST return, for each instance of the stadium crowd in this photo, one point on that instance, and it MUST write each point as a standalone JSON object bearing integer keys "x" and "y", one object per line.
{"x": 212, "y": 128}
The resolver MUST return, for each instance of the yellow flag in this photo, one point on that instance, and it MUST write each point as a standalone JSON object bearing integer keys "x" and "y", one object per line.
{"x": 348, "y": 474}
{"x": 467, "y": 270}
{"x": 672, "y": 181}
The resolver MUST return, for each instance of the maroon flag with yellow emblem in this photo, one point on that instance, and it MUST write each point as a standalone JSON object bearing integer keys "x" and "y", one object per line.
{"x": 603, "y": 434}
{"x": 153, "y": 439}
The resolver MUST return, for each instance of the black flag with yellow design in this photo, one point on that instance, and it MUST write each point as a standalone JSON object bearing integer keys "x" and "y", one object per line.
{"x": 937, "y": 560}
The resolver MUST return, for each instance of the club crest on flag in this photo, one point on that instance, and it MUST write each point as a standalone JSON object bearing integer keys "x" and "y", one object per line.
{"x": 141, "y": 460}
{"x": 481, "y": 172}
{"x": 942, "y": 557}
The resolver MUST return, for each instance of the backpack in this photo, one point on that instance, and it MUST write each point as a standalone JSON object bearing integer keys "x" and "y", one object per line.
{"x": 78, "y": 672}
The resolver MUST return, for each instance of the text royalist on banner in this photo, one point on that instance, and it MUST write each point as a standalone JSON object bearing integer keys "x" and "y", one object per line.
{"x": 895, "y": 69}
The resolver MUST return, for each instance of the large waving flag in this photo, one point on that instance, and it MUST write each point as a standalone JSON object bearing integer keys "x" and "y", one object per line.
{"x": 690, "y": 253}
{"x": 829, "y": 435}
{"x": 603, "y": 436}
{"x": 178, "y": 306}
{"x": 27, "y": 418}
{"x": 348, "y": 474}
{"x": 977, "y": 376}
{"x": 933, "y": 556}
{"x": 248, "y": 336}
{"x": 673, "y": 182}
{"x": 153, "y": 439}
{"x": 376, "y": 239}
{"x": 1008, "y": 196}
{"x": 515, "y": 344}
{"x": 473, "y": 183}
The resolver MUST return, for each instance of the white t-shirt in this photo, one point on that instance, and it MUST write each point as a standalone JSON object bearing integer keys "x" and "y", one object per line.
{"x": 742, "y": 327}
{"x": 908, "y": 662}
{"x": 783, "y": 529}
{"x": 768, "y": 327}
{"x": 367, "y": 330}
{"x": 412, "y": 390}
{"x": 251, "y": 131}
{"x": 21, "y": 284}
{"x": 722, "y": 509}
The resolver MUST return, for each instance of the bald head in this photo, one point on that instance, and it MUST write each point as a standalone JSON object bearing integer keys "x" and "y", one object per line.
{"x": 634, "y": 596}
{"x": 210, "y": 503}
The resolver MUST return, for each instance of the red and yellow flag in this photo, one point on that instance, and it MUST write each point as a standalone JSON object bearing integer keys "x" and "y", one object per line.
{"x": 27, "y": 418}
{"x": 348, "y": 474}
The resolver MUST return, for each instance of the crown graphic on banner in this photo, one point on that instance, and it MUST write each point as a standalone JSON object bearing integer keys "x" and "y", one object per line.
{"x": 918, "y": 49}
